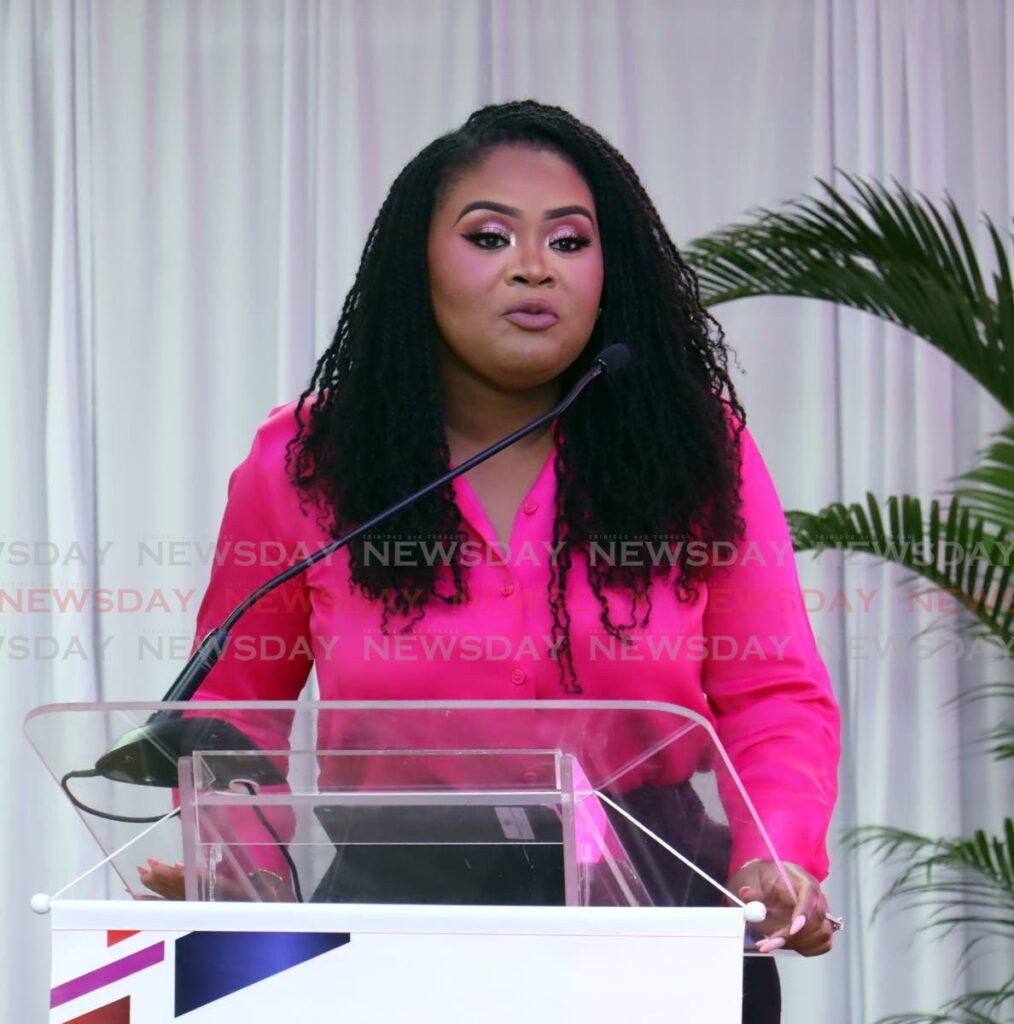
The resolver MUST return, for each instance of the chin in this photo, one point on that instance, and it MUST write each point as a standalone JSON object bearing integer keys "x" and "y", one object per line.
{"x": 538, "y": 357}
{"x": 524, "y": 375}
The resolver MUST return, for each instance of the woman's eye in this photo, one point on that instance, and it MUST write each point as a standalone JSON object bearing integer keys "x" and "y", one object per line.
{"x": 482, "y": 239}
{"x": 572, "y": 244}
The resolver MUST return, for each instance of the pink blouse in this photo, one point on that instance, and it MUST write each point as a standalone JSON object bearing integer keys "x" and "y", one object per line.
{"x": 743, "y": 655}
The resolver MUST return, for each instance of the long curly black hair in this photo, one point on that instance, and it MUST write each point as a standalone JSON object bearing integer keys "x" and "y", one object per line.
{"x": 654, "y": 454}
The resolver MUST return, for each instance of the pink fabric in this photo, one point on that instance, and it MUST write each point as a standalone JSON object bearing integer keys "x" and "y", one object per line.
{"x": 763, "y": 683}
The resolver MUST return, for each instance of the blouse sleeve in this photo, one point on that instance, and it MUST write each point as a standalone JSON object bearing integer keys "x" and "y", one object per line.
{"x": 776, "y": 713}
{"x": 268, "y": 655}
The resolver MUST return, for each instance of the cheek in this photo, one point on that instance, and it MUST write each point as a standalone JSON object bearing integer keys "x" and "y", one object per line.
{"x": 590, "y": 284}
{"x": 459, "y": 278}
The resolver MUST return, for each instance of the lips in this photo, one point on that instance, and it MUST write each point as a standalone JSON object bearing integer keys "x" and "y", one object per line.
{"x": 532, "y": 315}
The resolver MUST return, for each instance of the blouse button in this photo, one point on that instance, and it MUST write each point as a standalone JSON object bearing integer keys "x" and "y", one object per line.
{"x": 507, "y": 588}
{"x": 517, "y": 676}
{"x": 531, "y": 507}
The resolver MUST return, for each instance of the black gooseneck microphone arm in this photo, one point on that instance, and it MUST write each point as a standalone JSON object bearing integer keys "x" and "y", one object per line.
{"x": 609, "y": 360}
{"x": 148, "y": 755}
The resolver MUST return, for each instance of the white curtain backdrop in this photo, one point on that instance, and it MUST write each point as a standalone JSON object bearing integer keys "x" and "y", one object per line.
{"x": 185, "y": 188}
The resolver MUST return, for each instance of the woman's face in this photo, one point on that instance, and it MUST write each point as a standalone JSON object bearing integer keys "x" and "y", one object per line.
{"x": 518, "y": 232}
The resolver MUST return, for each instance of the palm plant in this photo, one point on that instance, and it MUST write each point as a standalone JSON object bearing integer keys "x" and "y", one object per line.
{"x": 895, "y": 254}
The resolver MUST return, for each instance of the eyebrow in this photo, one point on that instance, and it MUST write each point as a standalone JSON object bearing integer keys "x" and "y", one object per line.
{"x": 513, "y": 211}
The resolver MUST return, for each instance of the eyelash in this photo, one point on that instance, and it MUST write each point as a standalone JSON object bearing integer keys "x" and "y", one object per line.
{"x": 579, "y": 241}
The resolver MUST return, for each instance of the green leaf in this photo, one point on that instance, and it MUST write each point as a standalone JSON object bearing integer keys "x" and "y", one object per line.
{"x": 894, "y": 254}
{"x": 975, "y": 1007}
{"x": 993, "y": 497}
{"x": 963, "y": 881}
{"x": 971, "y": 560}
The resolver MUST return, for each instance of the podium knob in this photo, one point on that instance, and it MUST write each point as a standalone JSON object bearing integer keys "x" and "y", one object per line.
{"x": 755, "y": 911}
{"x": 40, "y": 903}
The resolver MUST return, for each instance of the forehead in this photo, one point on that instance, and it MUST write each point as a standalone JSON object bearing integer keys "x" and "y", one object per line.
{"x": 532, "y": 180}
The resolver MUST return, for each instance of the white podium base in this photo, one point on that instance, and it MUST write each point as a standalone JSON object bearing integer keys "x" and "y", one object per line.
{"x": 154, "y": 962}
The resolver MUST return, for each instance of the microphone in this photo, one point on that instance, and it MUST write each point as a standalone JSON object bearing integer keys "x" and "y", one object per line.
{"x": 612, "y": 359}
{"x": 148, "y": 755}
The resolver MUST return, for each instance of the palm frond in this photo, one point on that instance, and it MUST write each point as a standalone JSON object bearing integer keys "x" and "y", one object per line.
{"x": 993, "y": 496}
{"x": 960, "y": 553}
{"x": 985, "y": 691}
{"x": 976, "y": 1007}
{"x": 955, "y": 873}
{"x": 893, "y": 254}
{"x": 1000, "y": 741}
{"x": 965, "y": 883}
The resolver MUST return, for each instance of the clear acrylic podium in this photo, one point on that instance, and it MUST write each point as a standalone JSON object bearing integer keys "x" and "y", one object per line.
{"x": 451, "y": 861}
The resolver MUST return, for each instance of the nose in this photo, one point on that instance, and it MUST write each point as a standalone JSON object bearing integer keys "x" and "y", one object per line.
{"x": 529, "y": 265}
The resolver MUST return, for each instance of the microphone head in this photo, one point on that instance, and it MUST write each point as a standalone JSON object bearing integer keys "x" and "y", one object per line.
{"x": 149, "y": 755}
{"x": 614, "y": 358}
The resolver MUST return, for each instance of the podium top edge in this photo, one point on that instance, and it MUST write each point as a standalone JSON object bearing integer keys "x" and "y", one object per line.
{"x": 151, "y": 916}
{"x": 574, "y": 706}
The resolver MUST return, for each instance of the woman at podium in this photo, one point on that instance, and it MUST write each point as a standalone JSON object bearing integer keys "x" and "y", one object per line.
{"x": 633, "y": 549}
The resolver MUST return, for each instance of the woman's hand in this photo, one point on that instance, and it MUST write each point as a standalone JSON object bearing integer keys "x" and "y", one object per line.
{"x": 166, "y": 880}
{"x": 802, "y": 923}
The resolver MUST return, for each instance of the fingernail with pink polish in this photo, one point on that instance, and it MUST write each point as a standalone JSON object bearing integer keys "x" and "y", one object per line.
{"x": 770, "y": 945}
{"x": 797, "y": 924}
